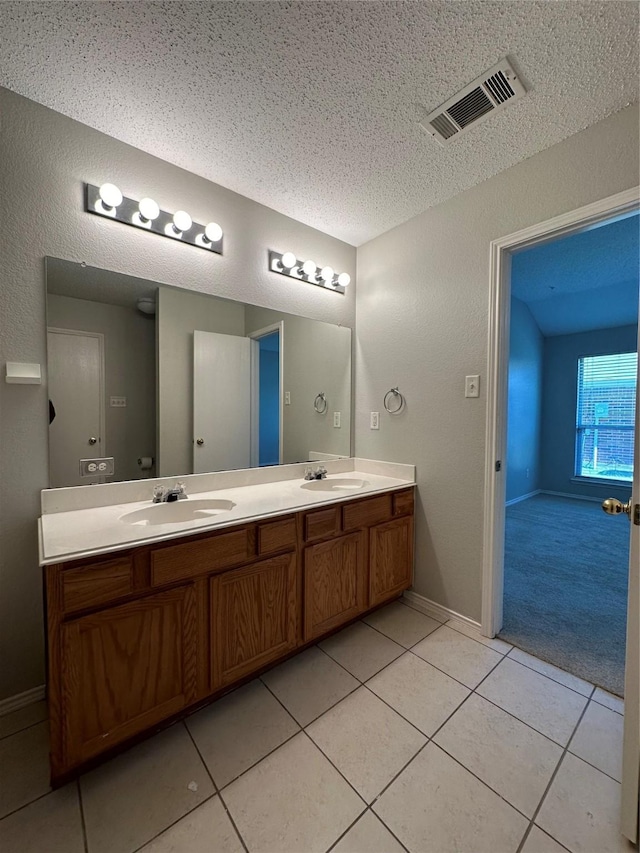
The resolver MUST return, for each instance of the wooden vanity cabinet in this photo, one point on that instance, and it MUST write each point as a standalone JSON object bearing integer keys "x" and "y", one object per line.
{"x": 139, "y": 637}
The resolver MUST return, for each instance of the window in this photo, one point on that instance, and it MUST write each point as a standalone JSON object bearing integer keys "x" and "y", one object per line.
{"x": 605, "y": 416}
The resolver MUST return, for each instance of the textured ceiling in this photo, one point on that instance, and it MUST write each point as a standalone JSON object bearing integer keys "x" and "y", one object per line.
{"x": 312, "y": 108}
{"x": 584, "y": 281}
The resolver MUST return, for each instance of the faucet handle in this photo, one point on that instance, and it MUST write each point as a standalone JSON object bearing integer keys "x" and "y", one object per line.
{"x": 158, "y": 492}
{"x": 181, "y": 489}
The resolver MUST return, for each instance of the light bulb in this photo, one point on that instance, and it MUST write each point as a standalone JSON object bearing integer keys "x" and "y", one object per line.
{"x": 289, "y": 260}
{"x": 344, "y": 279}
{"x": 110, "y": 195}
{"x": 309, "y": 267}
{"x": 181, "y": 221}
{"x": 326, "y": 274}
{"x": 213, "y": 232}
{"x": 149, "y": 210}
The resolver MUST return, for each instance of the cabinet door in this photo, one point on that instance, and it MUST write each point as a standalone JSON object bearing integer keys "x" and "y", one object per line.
{"x": 390, "y": 559}
{"x": 335, "y": 584}
{"x": 253, "y": 617}
{"x": 125, "y": 669}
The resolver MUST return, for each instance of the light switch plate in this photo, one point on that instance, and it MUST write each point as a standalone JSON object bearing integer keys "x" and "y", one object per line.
{"x": 336, "y": 419}
{"x": 374, "y": 420}
{"x": 472, "y": 386}
{"x": 287, "y": 398}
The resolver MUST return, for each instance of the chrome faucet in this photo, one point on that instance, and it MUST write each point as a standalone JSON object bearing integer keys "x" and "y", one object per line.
{"x": 162, "y": 495}
{"x": 319, "y": 473}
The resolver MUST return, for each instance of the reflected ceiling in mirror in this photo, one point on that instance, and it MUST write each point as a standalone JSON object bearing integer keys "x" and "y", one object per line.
{"x": 167, "y": 381}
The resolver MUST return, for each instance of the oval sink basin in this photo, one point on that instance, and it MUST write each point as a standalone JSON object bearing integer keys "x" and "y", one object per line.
{"x": 177, "y": 511}
{"x": 335, "y": 484}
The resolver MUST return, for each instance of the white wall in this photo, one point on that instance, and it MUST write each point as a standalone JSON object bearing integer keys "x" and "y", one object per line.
{"x": 45, "y": 159}
{"x": 422, "y": 320}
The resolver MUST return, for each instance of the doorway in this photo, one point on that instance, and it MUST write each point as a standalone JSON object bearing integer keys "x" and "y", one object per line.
{"x": 267, "y": 396}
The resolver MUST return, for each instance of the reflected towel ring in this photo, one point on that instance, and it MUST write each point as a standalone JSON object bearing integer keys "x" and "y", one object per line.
{"x": 320, "y": 403}
{"x": 394, "y": 392}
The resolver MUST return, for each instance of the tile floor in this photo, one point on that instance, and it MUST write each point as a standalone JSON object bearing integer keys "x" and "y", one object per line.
{"x": 398, "y": 734}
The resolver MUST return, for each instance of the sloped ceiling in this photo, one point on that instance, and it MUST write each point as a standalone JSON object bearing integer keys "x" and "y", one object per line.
{"x": 582, "y": 282}
{"x": 312, "y": 108}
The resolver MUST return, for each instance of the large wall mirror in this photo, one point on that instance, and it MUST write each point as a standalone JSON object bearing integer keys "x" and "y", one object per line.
{"x": 169, "y": 381}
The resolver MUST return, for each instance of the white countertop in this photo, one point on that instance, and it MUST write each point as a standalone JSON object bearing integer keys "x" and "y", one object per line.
{"x": 99, "y": 529}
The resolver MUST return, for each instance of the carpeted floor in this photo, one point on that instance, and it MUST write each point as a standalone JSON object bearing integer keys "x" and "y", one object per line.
{"x": 565, "y": 586}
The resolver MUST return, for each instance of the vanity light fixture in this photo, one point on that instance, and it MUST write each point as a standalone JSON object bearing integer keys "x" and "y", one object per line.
{"x": 107, "y": 200}
{"x": 287, "y": 264}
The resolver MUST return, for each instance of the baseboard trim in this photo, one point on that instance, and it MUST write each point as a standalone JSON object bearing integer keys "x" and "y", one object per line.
{"x": 523, "y": 497}
{"x": 437, "y": 611}
{"x": 21, "y": 700}
{"x": 568, "y": 495}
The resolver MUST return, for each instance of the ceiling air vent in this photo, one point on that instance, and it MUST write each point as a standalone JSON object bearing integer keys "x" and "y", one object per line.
{"x": 491, "y": 92}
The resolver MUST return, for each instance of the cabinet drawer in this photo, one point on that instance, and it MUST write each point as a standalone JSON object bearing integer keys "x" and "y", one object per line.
{"x": 367, "y": 512}
{"x": 179, "y": 562}
{"x": 322, "y": 523}
{"x": 403, "y": 502}
{"x": 274, "y": 536}
{"x": 98, "y": 583}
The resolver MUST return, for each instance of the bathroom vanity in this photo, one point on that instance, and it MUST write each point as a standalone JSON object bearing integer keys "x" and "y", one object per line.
{"x": 147, "y": 618}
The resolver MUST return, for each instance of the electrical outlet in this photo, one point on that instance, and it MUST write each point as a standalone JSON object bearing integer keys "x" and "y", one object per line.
{"x": 102, "y": 466}
{"x": 374, "y": 420}
{"x": 336, "y": 419}
{"x": 287, "y": 398}
{"x": 472, "y": 386}
{"x": 118, "y": 402}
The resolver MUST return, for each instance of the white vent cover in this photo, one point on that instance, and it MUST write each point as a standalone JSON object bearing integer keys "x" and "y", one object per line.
{"x": 492, "y": 91}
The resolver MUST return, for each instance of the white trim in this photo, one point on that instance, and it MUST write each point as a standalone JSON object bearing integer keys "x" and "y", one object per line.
{"x": 437, "y": 611}
{"x": 21, "y": 700}
{"x": 256, "y": 335}
{"x": 602, "y": 481}
{"x": 569, "y": 495}
{"x": 523, "y": 497}
{"x": 497, "y": 365}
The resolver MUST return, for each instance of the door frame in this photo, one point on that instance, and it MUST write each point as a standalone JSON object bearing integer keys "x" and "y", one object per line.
{"x": 255, "y": 390}
{"x": 102, "y": 387}
{"x": 497, "y": 376}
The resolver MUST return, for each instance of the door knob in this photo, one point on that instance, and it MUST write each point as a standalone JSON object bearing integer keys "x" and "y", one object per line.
{"x": 93, "y": 440}
{"x": 612, "y": 506}
{"x": 199, "y": 441}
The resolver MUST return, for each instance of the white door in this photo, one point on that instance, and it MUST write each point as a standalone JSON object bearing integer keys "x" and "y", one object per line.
{"x": 221, "y": 402}
{"x": 76, "y": 390}
{"x": 631, "y": 754}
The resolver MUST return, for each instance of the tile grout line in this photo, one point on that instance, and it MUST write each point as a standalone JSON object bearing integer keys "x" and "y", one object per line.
{"x": 552, "y": 779}
{"x": 25, "y": 805}
{"x": 25, "y": 728}
{"x": 85, "y": 837}
{"x": 526, "y": 665}
{"x": 173, "y": 823}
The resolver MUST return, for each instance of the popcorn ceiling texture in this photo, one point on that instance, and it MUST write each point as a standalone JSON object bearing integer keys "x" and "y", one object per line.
{"x": 312, "y": 108}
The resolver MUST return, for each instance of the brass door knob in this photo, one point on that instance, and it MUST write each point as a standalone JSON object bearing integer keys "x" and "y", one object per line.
{"x": 199, "y": 441}
{"x": 612, "y": 506}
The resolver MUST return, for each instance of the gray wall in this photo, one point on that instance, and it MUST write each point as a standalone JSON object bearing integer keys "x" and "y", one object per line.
{"x": 422, "y": 319}
{"x": 130, "y": 371}
{"x": 46, "y": 157}
{"x": 561, "y": 354}
{"x": 526, "y": 350}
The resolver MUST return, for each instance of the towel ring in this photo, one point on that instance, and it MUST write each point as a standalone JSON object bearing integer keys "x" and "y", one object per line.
{"x": 320, "y": 403}
{"x": 394, "y": 392}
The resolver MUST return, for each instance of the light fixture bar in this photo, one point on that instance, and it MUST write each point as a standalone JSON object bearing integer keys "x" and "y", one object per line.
{"x": 312, "y": 273}
{"x": 147, "y": 216}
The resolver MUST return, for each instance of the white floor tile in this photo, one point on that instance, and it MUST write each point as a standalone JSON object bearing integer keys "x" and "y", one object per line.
{"x": 53, "y": 823}
{"x": 559, "y": 675}
{"x": 469, "y": 631}
{"x": 461, "y": 658}
{"x": 420, "y": 692}
{"x": 362, "y": 650}
{"x": 615, "y": 703}
{"x": 599, "y": 739}
{"x": 135, "y": 796}
{"x": 24, "y": 763}
{"x": 539, "y": 842}
{"x": 512, "y": 758}
{"x": 238, "y": 730}
{"x": 21, "y": 719}
{"x": 436, "y": 806}
{"x": 206, "y": 829}
{"x": 582, "y": 809}
{"x": 402, "y": 624}
{"x": 292, "y": 801}
{"x": 368, "y": 835}
{"x": 367, "y": 741}
{"x": 309, "y": 684}
{"x": 549, "y": 707}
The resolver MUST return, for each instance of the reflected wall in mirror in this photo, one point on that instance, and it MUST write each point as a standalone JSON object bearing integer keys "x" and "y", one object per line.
{"x": 169, "y": 381}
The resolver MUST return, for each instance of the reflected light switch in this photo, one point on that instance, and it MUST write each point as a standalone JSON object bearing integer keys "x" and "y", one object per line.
{"x": 472, "y": 386}
{"x": 287, "y": 398}
{"x": 336, "y": 419}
